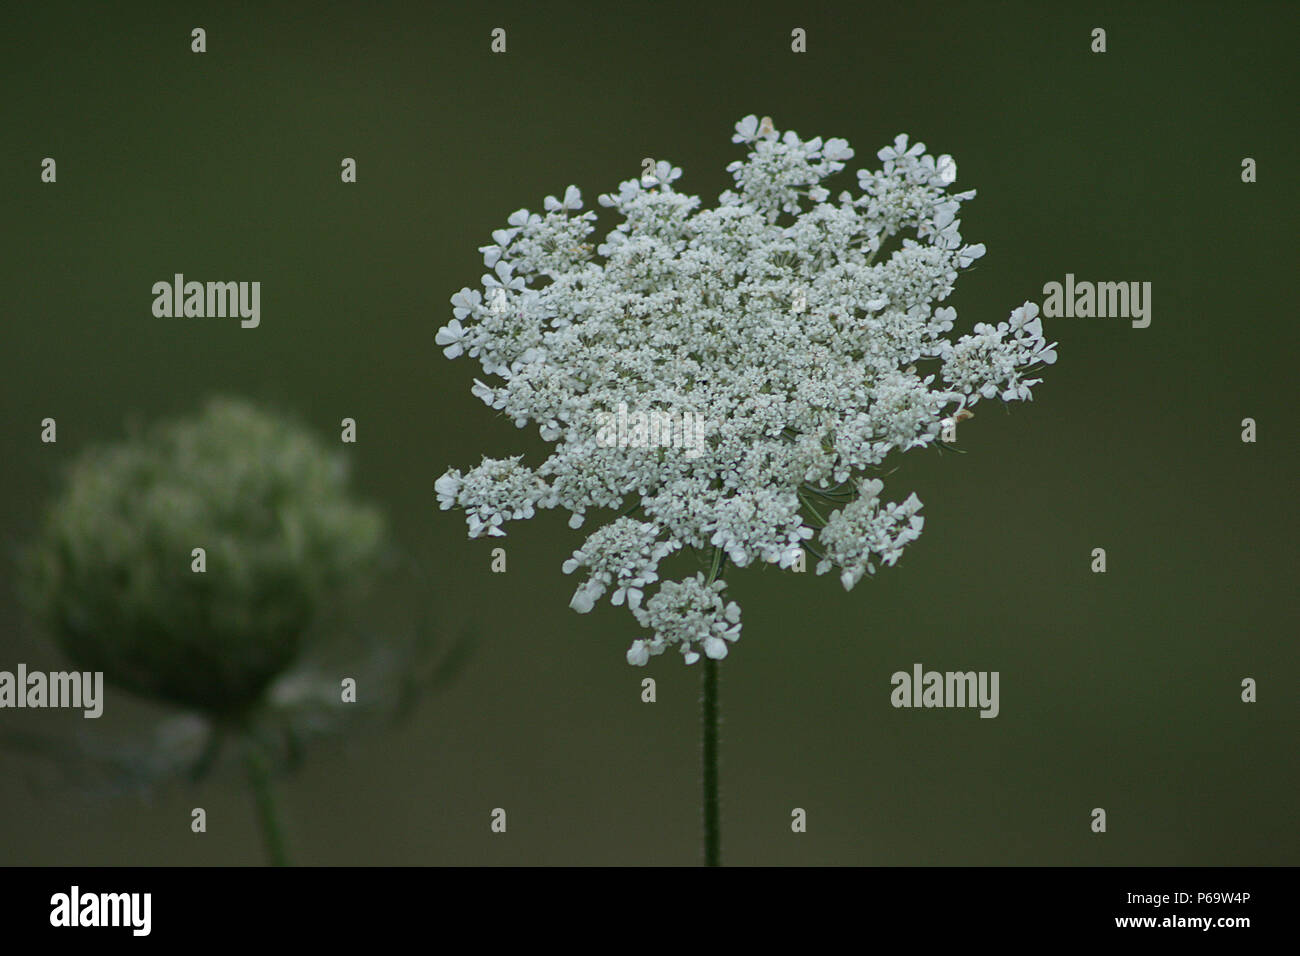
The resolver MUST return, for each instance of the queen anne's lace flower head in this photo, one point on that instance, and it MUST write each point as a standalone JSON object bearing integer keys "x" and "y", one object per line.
{"x": 775, "y": 317}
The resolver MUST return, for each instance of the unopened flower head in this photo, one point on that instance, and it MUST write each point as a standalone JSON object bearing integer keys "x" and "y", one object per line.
{"x": 775, "y": 315}
{"x": 111, "y": 576}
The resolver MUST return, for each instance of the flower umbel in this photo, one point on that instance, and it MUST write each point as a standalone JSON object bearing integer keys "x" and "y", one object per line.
{"x": 111, "y": 576}
{"x": 774, "y": 315}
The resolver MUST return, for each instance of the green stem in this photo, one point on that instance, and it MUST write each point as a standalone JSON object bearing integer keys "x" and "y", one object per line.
{"x": 211, "y": 750}
{"x": 811, "y": 507}
{"x": 709, "y": 760}
{"x": 259, "y": 778}
{"x": 712, "y": 815}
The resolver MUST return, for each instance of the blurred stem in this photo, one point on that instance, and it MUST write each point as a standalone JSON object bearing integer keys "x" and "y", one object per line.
{"x": 208, "y": 758}
{"x": 268, "y": 818}
{"x": 709, "y": 762}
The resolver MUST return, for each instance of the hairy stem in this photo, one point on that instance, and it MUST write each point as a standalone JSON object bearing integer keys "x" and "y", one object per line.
{"x": 709, "y": 761}
{"x": 712, "y": 821}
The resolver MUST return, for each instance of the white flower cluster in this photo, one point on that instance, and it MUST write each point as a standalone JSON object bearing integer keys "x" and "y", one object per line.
{"x": 777, "y": 317}
{"x": 686, "y": 613}
{"x": 862, "y": 528}
{"x": 497, "y": 491}
{"x": 626, "y": 554}
{"x": 989, "y": 360}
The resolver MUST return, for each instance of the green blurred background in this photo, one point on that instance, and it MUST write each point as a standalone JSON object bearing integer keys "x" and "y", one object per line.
{"x": 1118, "y": 691}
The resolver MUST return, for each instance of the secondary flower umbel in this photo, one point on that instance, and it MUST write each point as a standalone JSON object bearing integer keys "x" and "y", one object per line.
{"x": 769, "y": 315}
